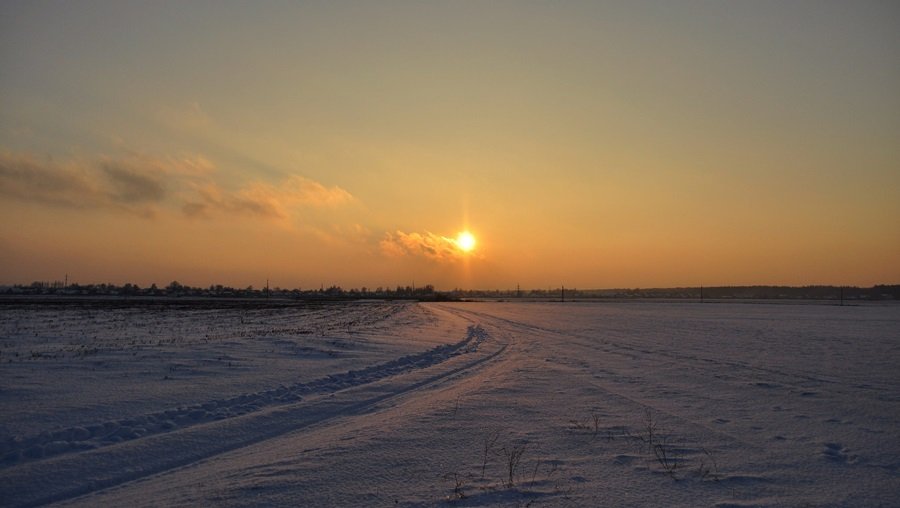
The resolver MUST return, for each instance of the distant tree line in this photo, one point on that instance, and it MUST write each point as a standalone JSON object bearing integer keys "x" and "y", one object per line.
{"x": 877, "y": 292}
{"x": 176, "y": 290}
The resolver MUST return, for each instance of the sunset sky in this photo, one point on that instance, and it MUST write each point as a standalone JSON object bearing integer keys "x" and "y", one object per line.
{"x": 588, "y": 144}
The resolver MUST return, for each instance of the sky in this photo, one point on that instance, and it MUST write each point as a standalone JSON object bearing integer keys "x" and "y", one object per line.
{"x": 584, "y": 144}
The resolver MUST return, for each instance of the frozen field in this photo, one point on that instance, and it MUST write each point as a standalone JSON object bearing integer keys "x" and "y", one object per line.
{"x": 467, "y": 404}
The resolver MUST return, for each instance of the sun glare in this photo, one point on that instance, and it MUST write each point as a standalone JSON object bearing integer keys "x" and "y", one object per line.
{"x": 465, "y": 241}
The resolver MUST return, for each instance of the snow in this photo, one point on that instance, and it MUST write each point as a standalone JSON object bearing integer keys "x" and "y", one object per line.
{"x": 467, "y": 404}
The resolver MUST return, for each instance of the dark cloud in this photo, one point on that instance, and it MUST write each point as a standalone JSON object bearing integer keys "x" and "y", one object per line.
{"x": 214, "y": 199}
{"x": 121, "y": 184}
{"x": 130, "y": 185}
{"x": 139, "y": 184}
{"x": 21, "y": 177}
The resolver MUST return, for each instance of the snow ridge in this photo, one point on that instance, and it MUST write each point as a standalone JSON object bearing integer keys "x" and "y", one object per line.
{"x": 17, "y": 449}
{"x": 57, "y": 478}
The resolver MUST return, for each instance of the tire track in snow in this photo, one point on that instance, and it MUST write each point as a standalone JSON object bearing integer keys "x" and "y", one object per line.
{"x": 17, "y": 450}
{"x": 72, "y": 475}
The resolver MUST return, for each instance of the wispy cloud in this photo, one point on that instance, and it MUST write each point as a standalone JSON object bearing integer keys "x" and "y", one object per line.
{"x": 426, "y": 245}
{"x": 131, "y": 185}
{"x": 263, "y": 199}
{"x": 127, "y": 184}
{"x": 208, "y": 199}
{"x": 143, "y": 184}
{"x": 23, "y": 177}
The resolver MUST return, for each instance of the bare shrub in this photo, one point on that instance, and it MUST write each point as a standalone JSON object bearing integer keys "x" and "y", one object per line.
{"x": 649, "y": 429}
{"x": 591, "y": 424}
{"x": 666, "y": 457}
{"x": 513, "y": 457}
{"x": 490, "y": 440}
{"x": 458, "y": 485}
{"x": 595, "y": 417}
{"x": 708, "y": 470}
{"x": 537, "y": 464}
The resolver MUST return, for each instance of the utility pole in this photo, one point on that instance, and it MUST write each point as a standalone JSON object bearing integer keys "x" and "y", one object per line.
{"x": 267, "y": 289}
{"x": 563, "y": 293}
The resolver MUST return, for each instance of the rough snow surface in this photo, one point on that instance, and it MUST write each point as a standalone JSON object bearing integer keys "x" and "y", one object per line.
{"x": 469, "y": 404}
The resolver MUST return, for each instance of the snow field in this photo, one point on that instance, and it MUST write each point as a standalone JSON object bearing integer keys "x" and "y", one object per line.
{"x": 583, "y": 404}
{"x": 69, "y": 365}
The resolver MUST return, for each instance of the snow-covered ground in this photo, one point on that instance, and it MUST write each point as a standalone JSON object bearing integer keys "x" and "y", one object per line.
{"x": 468, "y": 404}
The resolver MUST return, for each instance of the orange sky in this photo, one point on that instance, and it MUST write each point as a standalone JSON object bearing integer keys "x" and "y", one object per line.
{"x": 633, "y": 144}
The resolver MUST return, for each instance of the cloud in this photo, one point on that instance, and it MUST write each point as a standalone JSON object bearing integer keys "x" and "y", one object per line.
{"x": 427, "y": 245}
{"x": 308, "y": 192}
{"x": 120, "y": 184}
{"x": 128, "y": 185}
{"x": 22, "y": 177}
{"x": 143, "y": 184}
{"x": 265, "y": 200}
{"x": 208, "y": 198}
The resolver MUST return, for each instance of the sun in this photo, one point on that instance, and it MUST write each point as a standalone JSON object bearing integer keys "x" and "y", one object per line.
{"x": 465, "y": 241}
